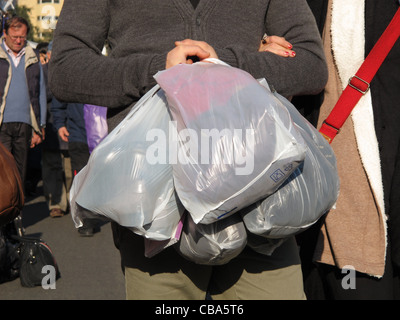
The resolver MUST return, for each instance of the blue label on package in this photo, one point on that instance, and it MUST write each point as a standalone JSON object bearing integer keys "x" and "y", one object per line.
{"x": 277, "y": 175}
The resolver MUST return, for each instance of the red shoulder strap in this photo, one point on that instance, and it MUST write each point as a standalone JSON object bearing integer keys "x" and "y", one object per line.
{"x": 359, "y": 84}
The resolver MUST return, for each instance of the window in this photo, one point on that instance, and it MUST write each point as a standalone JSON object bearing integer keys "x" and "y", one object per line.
{"x": 48, "y": 1}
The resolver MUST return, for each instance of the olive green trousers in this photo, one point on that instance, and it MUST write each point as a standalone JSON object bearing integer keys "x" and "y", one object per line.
{"x": 250, "y": 276}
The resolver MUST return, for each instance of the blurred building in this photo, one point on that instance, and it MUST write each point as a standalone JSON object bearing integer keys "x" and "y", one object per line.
{"x": 43, "y": 15}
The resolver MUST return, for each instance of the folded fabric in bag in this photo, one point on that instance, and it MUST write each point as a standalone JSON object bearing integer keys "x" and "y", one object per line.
{"x": 123, "y": 182}
{"x": 212, "y": 244}
{"x": 235, "y": 143}
{"x": 310, "y": 192}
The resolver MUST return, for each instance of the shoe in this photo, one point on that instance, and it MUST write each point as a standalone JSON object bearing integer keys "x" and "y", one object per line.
{"x": 56, "y": 213}
{"x": 85, "y": 232}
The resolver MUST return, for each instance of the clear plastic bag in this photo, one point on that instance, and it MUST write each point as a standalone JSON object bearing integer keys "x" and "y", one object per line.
{"x": 262, "y": 245}
{"x": 153, "y": 247}
{"x": 212, "y": 244}
{"x": 236, "y": 144}
{"x": 121, "y": 180}
{"x": 310, "y": 191}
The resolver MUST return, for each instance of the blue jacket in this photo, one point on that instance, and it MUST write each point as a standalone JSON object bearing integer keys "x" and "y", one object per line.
{"x": 69, "y": 115}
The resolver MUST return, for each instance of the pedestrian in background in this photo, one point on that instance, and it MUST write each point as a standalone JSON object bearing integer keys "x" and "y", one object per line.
{"x": 68, "y": 119}
{"x": 22, "y": 94}
{"x": 54, "y": 152}
{"x": 23, "y": 100}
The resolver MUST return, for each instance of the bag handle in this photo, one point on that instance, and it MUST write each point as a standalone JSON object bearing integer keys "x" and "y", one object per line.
{"x": 359, "y": 84}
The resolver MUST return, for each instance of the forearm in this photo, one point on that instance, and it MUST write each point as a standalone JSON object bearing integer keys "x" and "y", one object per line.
{"x": 140, "y": 44}
{"x": 78, "y": 72}
{"x": 306, "y": 73}
{"x": 105, "y": 81}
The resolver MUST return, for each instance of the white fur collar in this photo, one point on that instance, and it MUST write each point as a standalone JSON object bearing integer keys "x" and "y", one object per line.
{"x": 348, "y": 42}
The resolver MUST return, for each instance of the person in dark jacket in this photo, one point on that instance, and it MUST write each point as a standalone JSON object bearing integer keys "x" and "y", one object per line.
{"x": 68, "y": 119}
{"x": 54, "y": 153}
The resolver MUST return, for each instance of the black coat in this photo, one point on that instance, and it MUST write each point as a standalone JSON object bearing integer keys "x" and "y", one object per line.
{"x": 309, "y": 106}
{"x": 385, "y": 92}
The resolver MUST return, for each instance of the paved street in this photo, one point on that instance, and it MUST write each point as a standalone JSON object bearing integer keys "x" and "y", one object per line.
{"x": 89, "y": 266}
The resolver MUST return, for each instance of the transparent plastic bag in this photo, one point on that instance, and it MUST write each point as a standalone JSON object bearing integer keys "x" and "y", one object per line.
{"x": 236, "y": 144}
{"x": 123, "y": 183}
{"x": 212, "y": 244}
{"x": 310, "y": 191}
{"x": 153, "y": 247}
{"x": 262, "y": 245}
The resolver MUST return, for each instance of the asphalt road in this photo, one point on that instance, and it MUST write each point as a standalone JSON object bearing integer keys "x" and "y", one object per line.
{"x": 89, "y": 266}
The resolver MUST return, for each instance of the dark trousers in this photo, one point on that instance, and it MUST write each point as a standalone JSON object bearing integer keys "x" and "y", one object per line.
{"x": 54, "y": 180}
{"x": 16, "y": 137}
{"x": 325, "y": 282}
{"x": 365, "y": 287}
{"x": 79, "y": 153}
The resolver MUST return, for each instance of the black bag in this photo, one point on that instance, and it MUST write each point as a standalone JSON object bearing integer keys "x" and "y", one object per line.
{"x": 34, "y": 254}
{"x": 9, "y": 258}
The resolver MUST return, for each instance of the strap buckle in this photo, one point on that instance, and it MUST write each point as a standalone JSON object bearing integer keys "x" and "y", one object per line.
{"x": 329, "y": 125}
{"x": 357, "y": 88}
{"x": 326, "y": 136}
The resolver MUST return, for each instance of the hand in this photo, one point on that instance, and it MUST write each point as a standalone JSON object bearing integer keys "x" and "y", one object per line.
{"x": 277, "y": 45}
{"x": 188, "y": 48}
{"x": 202, "y": 44}
{"x": 63, "y": 133}
{"x": 36, "y": 139}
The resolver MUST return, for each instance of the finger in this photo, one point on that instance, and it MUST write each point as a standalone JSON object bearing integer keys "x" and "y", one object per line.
{"x": 278, "y": 50}
{"x": 202, "y": 44}
{"x": 279, "y": 40}
{"x": 194, "y": 48}
{"x": 281, "y": 52}
{"x": 33, "y": 144}
{"x": 180, "y": 54}
{"x": 186, "y": 41}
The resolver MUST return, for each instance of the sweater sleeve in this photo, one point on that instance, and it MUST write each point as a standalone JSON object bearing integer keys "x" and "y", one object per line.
{"x": 77, "y": 60}
{"x": 59, "y": 113}
{"x": 120, "y": 80}
{"x": 307, "y": 73}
